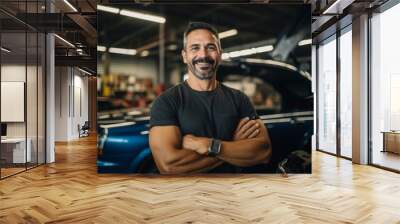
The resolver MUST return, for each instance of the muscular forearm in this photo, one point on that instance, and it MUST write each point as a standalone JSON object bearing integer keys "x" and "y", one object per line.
{"x": 172, "y": 157}
{"x": 247, "y": 152}
{"x": 186, "y": 161}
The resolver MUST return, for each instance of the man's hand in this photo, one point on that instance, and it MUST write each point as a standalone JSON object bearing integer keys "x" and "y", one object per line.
{"x": 249, "y": 151}
{"x": 166, "y": 147}
{"x": 246, "y": 129}
{"x": 197, "y": 144}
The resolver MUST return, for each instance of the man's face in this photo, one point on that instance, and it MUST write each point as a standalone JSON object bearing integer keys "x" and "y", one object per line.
{"x": 202, "y": 54}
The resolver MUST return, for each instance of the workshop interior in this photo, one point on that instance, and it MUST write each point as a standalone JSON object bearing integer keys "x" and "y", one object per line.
{"x": 266, "y": 55}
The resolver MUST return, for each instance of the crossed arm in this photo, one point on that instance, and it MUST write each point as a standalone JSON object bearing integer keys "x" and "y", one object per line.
{"x": 175, "y": 154}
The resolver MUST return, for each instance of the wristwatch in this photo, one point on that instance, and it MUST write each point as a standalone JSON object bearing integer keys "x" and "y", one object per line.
{"x": 215, "y": 147}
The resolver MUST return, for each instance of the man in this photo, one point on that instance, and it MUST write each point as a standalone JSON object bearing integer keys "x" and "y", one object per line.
{"x": 202, "y": 125}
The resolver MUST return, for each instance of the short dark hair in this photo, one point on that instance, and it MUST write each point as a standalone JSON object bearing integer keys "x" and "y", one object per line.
{"x": 197, "y": 26}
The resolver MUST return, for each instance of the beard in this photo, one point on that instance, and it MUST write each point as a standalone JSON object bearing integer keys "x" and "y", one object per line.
{"x": 203, "y": 68}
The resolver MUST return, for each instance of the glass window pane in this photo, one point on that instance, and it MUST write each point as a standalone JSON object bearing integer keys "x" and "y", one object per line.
{"x": 327, "y": 96}
{"x": 13, "y": 85}
{"x": 346, "y": 94}
{"x": 41, "y": 98}
{"x": 31, "y": 97}
{"x": 385, "y": 86}
{"x": 23, "y": 85}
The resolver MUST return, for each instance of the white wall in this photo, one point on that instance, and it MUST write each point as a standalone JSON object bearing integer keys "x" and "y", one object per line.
{"x": 70, "y": 83}
{"x": 33, "y": 126}
{"x": 79, "y": 117}
{"x": 12, "y": 73}
{"x": 61, "y": 103}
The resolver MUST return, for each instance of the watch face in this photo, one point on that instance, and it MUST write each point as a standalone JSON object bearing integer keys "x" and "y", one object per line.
{"x": 217, "y": 146}
{"x": 214, "y": 147}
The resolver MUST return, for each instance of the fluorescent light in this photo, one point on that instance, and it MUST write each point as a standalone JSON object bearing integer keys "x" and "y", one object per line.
{"x": 70, "y": 5}
{"x": 5, "y": 50}
{"x": 227, "y": 33}
{"x": 138, "y": 15}
{"x": 107, "y": 9}
{"x": 122, "y": 51}
{"x": 144, "y": 53}
{"x": 305, "y": 42}
{"x": 129, "y": 13}
{"x": 101, "y": 48}
{"x": 64, "y": 40}
{"x": 86, "y": 72}
{"x": 245, "y": 52}
{"x": 79, "y": 51}
{"x": 172, "y": 47}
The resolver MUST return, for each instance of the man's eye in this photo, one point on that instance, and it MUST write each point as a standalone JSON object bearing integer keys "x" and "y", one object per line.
{"x": 212, "y": 48}
{"x": 194, "y": 48}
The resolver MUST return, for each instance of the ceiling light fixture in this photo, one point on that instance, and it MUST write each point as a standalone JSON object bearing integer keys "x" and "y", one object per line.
{"x": 122, "y": 51}
{"x": 5, "y": 50}
{"x": 245, "y": 52}
{"x": 228, "y": 33}
{"x": 145, "y": 53}
{"x": 108, "y": 9}
{"x": 64, "y": 40}
{"x": 70, "y": 5}
{"x": 143, "y": 16}
{"x": 101, "y": 48}
{"x": 172, "y": 47}
{"x": 305, "y": 42}
{"x": 130, "y": 13}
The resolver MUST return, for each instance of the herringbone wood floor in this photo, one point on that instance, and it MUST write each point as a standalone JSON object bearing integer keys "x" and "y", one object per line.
{"x": 70, "y": 191}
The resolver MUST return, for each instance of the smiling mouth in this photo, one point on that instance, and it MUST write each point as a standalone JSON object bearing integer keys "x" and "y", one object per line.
{"x": 204, "y": 66}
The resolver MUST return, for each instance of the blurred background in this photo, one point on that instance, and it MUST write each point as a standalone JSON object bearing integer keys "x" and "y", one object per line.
{"x": 139, "y": 51}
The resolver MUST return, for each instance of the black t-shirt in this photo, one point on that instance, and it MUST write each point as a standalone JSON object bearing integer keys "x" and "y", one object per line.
{"x": 212, "y": 114}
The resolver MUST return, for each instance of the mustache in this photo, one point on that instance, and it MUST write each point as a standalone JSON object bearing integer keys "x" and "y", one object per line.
{"x": 203, "y": 60}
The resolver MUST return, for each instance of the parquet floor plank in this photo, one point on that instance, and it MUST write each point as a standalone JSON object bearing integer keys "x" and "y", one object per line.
{"x": 71, "y": 191}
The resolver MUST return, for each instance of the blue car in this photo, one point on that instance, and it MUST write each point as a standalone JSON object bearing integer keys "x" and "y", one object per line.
{"x": 287, "y": 113}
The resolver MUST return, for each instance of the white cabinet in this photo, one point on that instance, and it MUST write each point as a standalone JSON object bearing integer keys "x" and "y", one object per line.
{"x": 18, "y": 149}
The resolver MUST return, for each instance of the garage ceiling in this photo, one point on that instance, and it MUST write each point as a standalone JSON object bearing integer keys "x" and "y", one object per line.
{"x": 255, "y": 23}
